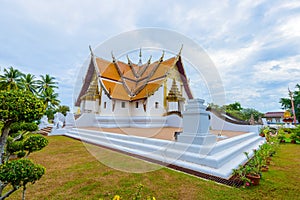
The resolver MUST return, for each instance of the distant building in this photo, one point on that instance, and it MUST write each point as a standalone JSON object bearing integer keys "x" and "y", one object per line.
{"x": 274, "y": 117}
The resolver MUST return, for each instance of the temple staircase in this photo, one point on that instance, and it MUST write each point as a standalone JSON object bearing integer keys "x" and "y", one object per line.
{"x": 45, "y": 131}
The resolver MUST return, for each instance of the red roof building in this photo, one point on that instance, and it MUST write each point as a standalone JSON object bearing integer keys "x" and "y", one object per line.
{"x": 274, "y": 117}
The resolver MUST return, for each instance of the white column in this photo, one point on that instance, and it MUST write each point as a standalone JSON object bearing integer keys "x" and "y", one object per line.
{"x": 196, "y": 122}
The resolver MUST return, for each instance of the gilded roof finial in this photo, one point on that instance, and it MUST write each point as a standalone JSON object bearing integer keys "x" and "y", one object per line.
{"x": 162, "y": 56}
{"x": 179, "y": 53}
{"x": 149, "y": 61}
{"x": 140, "y": 60}
{"x": 92, "y": 53}
{"x": 128, "y": 60}
{"x": 140, "y": 52}
{"x": 113, "y": 57}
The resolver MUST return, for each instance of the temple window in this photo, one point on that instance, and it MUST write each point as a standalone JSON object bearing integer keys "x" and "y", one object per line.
{"x": 156, "y": 105}
{"x": 137, "y": 104}
{"x": 123, "y": 104}
{"x": 104, "y": 105}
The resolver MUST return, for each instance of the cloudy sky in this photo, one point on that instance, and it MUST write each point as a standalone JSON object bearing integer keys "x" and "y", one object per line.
{"x": 254, "y": 44}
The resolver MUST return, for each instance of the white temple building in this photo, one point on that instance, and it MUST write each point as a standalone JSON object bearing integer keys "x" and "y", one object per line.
{"x": 155, "y": 94}
{"x": 142, "y": 92}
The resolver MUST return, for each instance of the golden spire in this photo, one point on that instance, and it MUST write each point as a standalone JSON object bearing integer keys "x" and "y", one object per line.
{"x": 174, "y": 93}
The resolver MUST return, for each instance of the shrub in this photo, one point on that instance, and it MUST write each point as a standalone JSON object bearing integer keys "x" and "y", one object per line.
{"x": 14, "y": 146}
{"x": 15, "y": 127}
{"x": 35, "y": 143}
{"x": 29, "y": 126}
{"x": 20, "y": 172}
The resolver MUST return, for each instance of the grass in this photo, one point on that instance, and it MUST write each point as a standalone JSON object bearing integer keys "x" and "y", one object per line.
{"x": 73, "y": 173}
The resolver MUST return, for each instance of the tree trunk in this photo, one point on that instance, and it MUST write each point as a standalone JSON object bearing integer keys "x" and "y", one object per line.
{"x": 1, "y": 188}
{"x": 23, "y": 194}
{"x": 3, "y": 140}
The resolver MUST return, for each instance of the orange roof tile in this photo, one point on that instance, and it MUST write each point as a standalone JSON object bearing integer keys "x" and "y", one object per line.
{"x": 131, "y": 82}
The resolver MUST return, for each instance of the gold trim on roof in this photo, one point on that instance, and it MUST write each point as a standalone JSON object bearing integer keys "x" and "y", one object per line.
{"x": 132, "y": 82}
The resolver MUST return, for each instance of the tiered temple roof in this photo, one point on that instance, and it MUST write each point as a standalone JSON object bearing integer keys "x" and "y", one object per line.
{"x": 129, "y": 81}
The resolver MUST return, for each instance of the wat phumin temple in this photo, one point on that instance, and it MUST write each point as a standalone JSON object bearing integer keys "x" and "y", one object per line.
{"x": 135, "y": 109}
{"x": 144, "y": 92}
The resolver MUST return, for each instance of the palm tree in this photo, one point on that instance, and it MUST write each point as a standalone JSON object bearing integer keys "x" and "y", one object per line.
{"x": 29, "y": 83}
{"x": 285, "y": 103}
{"x": 50, "y": 98}
{"x": 46, "y": 82}
{"x": 11, "y": 79}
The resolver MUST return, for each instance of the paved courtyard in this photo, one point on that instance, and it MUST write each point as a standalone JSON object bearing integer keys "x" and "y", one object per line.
{"x": 166, "y": 133}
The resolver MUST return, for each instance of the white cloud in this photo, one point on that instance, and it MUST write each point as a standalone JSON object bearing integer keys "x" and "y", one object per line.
{"x": 291, "y": 27}
{"x": 246, "y": 40}
{"x": 287, "y": 70}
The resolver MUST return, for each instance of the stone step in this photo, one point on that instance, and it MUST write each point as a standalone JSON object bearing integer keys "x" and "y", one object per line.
{"x": 224, "y": 144}
{"x": 121, "y": 141}
{"x": 137, "y": 139}
{"x": 45, "y": 131}
{"x": 231, "y": 153}
{"x": 216, "y": 160}
{"x": 169, "y": 151}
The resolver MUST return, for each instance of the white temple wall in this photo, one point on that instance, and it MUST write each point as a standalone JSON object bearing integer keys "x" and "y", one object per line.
{"x": 106, "y": 105}
{"x": 121, "y": 108}
{"x": 136, "y": 108}
{"x": 217, "y": 123}
{"x": 155, "y": 103}
{"x": 88, "y": 106}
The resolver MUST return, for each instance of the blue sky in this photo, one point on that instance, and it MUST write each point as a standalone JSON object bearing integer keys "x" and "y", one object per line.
{"x": 254, "y": 44}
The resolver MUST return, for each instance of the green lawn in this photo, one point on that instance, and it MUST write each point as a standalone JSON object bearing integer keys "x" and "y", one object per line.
{"x": 73, "y": 173}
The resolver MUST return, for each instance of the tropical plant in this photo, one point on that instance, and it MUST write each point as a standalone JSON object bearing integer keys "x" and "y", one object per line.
{"x": 287, "y": 104}
{"x": 46, "y": 82}
{"x": 63, "y": 109}
{"x": 11, "y": 79}
{"x": 257, "y": 162}
{"x": 252, "y": 169}
{"x": 281, "y": 135}
{"x": 50, "y": 98}
{"x": 29, "y": 83}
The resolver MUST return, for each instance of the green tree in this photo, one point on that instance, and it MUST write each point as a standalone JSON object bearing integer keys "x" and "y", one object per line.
{"x": 50, "y": 98}
{"x": 247, "y": 112}
{"x": 11, "y": 79}
{"x": 63, "y": 109}
{"x": 46, "y": 82}
{"x": 29, "y": 83}
{"x": 19, "y": 106}
{"x": 234, "y": 106}
{"x": 287, "y": 105}
{"x": 19, "y": 173}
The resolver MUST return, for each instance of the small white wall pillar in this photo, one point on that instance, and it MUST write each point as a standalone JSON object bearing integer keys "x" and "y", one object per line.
{"x": 196, "y": 121}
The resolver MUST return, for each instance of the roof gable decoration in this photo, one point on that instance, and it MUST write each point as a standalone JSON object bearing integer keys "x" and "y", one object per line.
{"x": 129, "y": 81}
